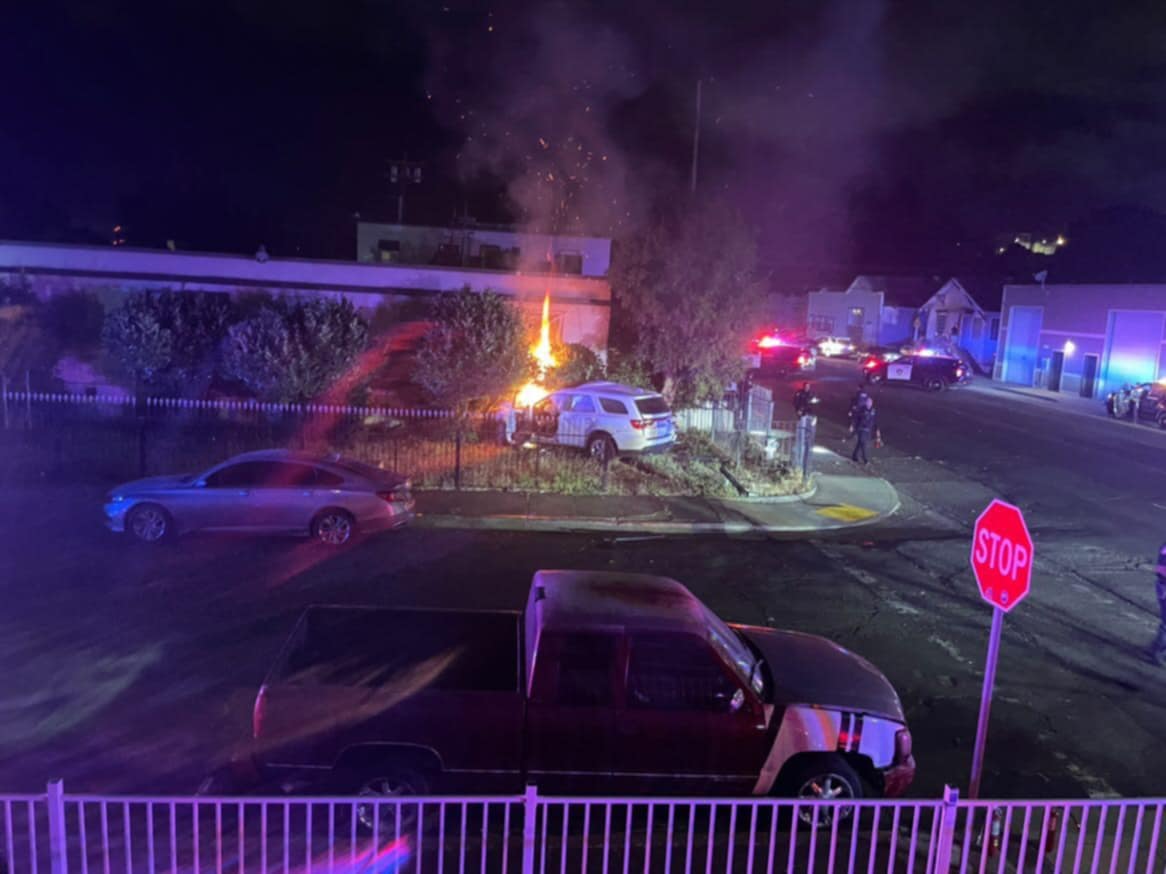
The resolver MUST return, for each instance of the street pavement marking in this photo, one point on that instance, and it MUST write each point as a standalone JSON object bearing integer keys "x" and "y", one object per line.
{"x": 846, "y": 512}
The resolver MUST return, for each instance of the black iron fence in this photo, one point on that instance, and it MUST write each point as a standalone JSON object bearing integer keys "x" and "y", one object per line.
{"x": 96, "y": 438}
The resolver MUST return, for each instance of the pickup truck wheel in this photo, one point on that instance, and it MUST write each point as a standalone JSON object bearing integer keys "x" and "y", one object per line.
{"x": 823, "y": 778}
{"x": 384, "y": 813}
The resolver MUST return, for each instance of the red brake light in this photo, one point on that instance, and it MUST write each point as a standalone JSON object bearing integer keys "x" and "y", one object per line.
{"x": 639, "y": 424}
{"x": 871, "y": 364}
{"x": 769, "y": 341}
{"x": 400, "y": 493}
{"x": 802, "y": 359}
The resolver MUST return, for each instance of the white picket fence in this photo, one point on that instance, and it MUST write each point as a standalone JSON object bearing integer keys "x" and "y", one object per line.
{"x": 60, "y": 833}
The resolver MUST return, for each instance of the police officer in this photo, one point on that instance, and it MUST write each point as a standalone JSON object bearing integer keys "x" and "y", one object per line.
{"x": 857, "y": 405}
{"x": 864, "y": 428}
{"x": 1157, "y": 651}
{"x": 804, "y": 400}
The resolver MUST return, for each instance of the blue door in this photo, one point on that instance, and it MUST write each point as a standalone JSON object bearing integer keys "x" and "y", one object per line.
{"x": 1022, "y": 344}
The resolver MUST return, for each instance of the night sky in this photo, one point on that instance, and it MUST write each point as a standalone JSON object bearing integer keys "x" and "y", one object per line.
{"x": 868, "y": 135}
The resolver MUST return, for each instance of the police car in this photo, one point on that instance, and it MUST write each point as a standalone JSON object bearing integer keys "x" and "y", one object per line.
{"x": 932, "y": 372}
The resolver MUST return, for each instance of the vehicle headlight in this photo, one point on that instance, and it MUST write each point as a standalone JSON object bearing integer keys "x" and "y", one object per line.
{"x": 115, "y": 499}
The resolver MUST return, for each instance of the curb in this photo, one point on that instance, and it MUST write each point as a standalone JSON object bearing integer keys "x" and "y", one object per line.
{"x": 632, "y": 525}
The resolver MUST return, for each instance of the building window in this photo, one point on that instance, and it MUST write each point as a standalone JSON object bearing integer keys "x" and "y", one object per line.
{"x": 823, "y": 324}
{"x": 995, "y": 331}
{"x": 491, "y": 257}
{"x": 388, "y": 250}
{"x": 570, "y": 262}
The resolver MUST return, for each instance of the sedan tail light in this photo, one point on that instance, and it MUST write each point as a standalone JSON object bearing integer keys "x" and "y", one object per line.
{"x": 398, "y": 495}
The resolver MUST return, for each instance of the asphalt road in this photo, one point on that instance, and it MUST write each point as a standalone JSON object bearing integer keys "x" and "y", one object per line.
{"x": 130, "y": 670}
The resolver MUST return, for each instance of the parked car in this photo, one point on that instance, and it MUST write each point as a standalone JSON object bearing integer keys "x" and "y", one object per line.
{"x": 605, "y": 419}
{"x": 784, "y": 360}
{"x": 607, "y": 683}
{"x": 835, "y": 347}
{"x": 1146, "y": 399}
{"x": 268, "y": 492}
{"x": 932, "y": 372}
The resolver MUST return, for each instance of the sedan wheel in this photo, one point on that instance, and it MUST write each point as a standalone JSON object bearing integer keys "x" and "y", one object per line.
{"x": 149, "y": 523}
{"x": 333, "y": 527}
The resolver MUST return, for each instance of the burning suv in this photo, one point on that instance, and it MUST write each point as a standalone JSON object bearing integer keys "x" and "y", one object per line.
{"x": 605, "y": 419}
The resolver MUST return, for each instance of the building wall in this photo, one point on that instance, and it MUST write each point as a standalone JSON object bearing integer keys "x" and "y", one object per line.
{"x": 828, "y": 314}
{"x": 581, "y": 305}
{"x": 419, "y": 245}
{"x": 1123, "y": 325}
{"x": 897, "y": 325}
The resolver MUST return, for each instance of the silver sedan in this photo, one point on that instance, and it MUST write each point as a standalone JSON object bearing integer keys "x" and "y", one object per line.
{"x": 328, "y": 498}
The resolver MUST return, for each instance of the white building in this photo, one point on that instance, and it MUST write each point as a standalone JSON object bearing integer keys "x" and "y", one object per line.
{"x": 482, "y": 247}
{"x": 580, "y": 304}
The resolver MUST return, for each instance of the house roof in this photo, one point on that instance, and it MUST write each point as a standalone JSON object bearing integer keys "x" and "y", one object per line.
{"x": 985, "y": 291}
{"x": 900, "y": 291}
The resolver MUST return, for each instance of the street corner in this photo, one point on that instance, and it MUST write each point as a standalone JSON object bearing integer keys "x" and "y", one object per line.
{"x": 843, "y": 501}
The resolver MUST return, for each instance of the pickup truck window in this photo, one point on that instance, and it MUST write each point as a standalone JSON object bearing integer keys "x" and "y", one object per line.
{"x": 584, "y": 667}
{"x": 676, "y": 672}
{"x": 735, "y": 651}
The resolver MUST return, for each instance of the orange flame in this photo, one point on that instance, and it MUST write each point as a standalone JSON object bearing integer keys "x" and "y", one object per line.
{"x": 542, "y": 349}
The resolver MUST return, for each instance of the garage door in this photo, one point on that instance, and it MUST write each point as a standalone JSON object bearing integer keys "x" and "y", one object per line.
{"x": 1021, "y": 344}
{"x": 1133, "y": 342}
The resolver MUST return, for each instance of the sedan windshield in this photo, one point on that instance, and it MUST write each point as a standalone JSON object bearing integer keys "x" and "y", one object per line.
{"x": 735, "y": 651}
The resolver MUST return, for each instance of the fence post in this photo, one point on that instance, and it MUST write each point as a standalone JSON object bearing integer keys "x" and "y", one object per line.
{"x": 529, "y": 814}
{"x": 4, "y": 397}
{"x": 27, "y": 400}
{"x": 947, "y": 824}
{"x": 58, "y": 841}
{"x": 457, "y": 459}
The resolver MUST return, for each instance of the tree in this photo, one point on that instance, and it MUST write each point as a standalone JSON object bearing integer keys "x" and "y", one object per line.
{"x": 475, "y": 348}
{"x": 576, "y": 364}
{"x": 292, "y": 351}
{"x": 167, "y": 340}
{"x": 686, "y": 296}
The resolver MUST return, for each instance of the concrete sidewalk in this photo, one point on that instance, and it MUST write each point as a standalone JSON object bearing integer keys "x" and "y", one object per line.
{"x": 1068, "y": 402}
{"x": 836, "y": 501}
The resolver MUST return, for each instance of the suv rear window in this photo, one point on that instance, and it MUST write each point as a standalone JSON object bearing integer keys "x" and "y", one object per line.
{"x": 652, "y": 405}
{"x": 613, "y": 406}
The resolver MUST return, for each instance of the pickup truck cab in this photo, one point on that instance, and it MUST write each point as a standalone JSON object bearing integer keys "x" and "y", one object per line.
{"x": 609, "y": 683}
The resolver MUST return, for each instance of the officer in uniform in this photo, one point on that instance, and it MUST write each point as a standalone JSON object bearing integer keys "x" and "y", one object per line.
{"x": 1157, "y": 652}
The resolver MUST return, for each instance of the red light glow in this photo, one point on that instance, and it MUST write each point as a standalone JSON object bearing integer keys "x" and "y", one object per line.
{"x": 769, "y": 341}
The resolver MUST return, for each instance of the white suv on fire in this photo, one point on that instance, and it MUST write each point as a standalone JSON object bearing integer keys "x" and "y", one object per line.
{"x": 605, "y": 419}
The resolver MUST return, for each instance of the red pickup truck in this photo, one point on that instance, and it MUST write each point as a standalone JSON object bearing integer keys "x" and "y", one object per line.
{"x": 606, "y": 683}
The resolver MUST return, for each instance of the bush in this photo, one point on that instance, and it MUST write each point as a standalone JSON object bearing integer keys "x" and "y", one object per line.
{"x": 475, "y": 348}
{"x": 294, "y": 350}
{"x": 576, "y": 364}
{"x": 167, "y": 340}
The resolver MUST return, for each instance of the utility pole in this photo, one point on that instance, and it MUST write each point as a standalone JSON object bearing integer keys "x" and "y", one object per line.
{"x": 696, "y": 137}
{"x": 400, "y": 174}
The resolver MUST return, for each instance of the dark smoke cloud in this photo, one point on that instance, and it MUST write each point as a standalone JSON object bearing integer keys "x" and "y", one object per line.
{"x": 807, "y": 106}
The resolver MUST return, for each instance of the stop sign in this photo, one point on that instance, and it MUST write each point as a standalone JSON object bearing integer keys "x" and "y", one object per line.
{"x": 1002, "y": 555}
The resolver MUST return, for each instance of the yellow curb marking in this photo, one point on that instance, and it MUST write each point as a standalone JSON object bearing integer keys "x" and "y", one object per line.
{"x": 846, "y": 512}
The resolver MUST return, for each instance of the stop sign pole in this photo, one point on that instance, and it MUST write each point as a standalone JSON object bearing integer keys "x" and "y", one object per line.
{"x": 1001, "y": 558}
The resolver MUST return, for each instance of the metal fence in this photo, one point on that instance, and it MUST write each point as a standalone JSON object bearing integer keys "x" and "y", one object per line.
{"x": 74, "y": 437}
{"x": 59, "y": 833}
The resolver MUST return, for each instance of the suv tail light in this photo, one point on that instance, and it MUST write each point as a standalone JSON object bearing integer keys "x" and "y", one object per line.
{"x": 258, "y": 712}
{"x": 639, "y": 424}
{"x": 803, "y": 359}
{"x": 902, "y": 745}
{"x": 871, "y": 363}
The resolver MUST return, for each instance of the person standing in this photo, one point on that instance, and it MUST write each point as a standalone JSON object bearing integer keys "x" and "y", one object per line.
{"x": 865, "y": 428}
{"x": 805, "y": 400}
{"x": 1157, "y": 651}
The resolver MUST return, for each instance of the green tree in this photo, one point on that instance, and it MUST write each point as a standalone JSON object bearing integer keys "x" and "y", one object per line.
{"x": 576, "y": 364}
{"x": 293, "y": 351}
{"x": 475, "y": 348}
{"x": 686, "y": 296}
{"x": 167, "y": 340}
